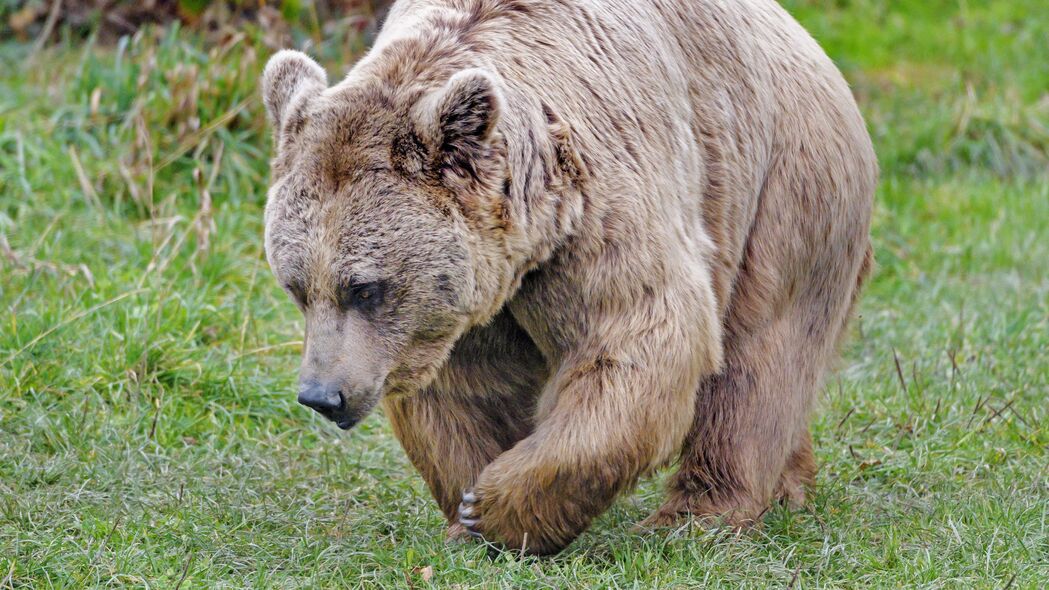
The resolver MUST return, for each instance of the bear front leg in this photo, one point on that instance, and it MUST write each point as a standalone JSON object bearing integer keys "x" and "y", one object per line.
{"x": 613, "y": 415}
{"x": 450, "y": 441}
{"x": 481, "y": 403}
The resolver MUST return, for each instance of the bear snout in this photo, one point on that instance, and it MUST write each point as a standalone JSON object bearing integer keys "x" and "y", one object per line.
{"x": 328, "y": 401}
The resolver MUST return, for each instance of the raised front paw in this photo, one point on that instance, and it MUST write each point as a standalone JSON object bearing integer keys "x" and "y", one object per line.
{"x": 507, "y": 520}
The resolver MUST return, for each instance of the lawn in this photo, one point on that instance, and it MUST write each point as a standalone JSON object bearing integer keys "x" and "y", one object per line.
{"x": 149, "y": 434}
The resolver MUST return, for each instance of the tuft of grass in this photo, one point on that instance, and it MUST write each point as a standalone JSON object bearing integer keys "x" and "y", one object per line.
{"x": 148, "y": 431}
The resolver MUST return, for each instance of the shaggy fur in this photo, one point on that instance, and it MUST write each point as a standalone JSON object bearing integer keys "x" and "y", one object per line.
{"x": 607, "y": 234}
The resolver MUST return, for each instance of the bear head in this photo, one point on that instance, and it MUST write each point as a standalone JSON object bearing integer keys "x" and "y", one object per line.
{"x": 380, "y": 196}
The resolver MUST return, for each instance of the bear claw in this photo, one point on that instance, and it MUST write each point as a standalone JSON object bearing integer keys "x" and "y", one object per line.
{"x": 467, "y": 515}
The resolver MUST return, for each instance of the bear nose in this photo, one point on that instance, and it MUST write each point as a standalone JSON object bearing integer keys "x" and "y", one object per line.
{"x": 322, "y": 397}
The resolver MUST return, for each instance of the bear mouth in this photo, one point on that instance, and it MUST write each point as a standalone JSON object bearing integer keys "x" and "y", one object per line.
{"x": 341, "y": 416}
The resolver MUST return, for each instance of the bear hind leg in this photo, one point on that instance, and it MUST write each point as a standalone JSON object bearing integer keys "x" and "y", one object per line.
{"x": 750, "y": 442}
{"x": 799, "y": 474}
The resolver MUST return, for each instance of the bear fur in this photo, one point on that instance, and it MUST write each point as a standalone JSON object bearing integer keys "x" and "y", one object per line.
{"x": 566, "y": 242}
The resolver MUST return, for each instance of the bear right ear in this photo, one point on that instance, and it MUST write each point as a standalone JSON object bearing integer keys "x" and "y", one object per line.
{"x": 288, "y": 76}
{"x": 459, "y": 121}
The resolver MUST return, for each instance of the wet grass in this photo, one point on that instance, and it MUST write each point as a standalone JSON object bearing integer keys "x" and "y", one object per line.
{"x": 148, "y": 430}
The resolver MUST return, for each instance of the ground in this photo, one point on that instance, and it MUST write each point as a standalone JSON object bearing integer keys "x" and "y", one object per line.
{"x": 149, "y": 434}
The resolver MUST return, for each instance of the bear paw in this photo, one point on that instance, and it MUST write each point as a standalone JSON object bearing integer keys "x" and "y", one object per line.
{"x": 739, "y": 513}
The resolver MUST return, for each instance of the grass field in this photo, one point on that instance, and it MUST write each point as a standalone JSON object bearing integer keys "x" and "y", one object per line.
{"x": 149, "y": 435}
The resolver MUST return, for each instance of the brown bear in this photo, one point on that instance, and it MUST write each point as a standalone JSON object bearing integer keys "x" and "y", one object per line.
{"x": 567, "y": 242}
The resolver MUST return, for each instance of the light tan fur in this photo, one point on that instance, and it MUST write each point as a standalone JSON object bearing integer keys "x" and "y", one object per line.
{"x": 618, "y": 233}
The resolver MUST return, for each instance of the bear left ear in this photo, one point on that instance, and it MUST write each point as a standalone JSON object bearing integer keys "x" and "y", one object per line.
{"x": 288, "y": 75}
{"x": 461, "y": 120}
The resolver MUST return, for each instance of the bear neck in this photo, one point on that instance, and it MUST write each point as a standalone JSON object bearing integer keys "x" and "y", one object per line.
{"x": 539, "y": 209}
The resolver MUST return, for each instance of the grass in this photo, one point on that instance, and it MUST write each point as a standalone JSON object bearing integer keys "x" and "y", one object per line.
{"x": 149, "y": 435}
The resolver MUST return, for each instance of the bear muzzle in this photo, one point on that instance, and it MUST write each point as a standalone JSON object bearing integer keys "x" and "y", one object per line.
{"x": 328, "y": 401}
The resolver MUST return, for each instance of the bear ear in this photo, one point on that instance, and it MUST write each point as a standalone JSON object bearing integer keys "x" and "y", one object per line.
{"x": 288, "y": 75}
{"x": 462, "y": 118}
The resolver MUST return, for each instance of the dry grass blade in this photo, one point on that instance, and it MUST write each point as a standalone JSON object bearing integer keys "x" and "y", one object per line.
{"x": 899, "y": 370}
{"x": 69, "y": 320}
{"x": 90, "y": 195}
{"x": 203, "y": 223}
{"x": 199, "y": 136}
{"x": 24, "y": 262}
{"x": 49, "y": 27}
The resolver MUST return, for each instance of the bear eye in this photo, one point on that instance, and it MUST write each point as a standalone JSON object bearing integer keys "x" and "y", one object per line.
{"x": 362, "y": 296}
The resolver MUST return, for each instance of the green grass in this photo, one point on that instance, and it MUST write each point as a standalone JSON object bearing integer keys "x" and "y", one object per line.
{"x": 148, "y": 428}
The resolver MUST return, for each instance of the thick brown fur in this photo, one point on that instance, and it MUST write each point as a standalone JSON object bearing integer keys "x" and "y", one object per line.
{"x": 612, "y": 234}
